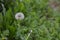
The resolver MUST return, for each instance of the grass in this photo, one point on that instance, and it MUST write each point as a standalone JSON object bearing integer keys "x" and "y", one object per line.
{"x": 39, "y": 17}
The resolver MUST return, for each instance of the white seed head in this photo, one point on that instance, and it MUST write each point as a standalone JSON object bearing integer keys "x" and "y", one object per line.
{"x": 19, "y": 16}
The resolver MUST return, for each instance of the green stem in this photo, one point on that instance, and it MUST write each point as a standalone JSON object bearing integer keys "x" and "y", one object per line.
{"x": 3, "y": 14}
{"x": 29, "y": 35}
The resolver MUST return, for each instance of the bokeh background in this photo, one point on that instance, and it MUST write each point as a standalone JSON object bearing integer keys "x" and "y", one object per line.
{"x": 41, "y": 21}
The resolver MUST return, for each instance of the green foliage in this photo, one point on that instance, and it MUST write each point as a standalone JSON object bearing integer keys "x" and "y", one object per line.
{"x": 39, "y": 17}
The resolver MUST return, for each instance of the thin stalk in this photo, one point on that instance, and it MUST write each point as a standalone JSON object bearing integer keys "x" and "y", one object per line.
{"x": 29, "y": 35}
{"x": 3, "y": 14}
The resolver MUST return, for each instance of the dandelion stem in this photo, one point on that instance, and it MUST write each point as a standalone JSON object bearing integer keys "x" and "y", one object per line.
{"x": 29, "y": 35}
{"x": 3, "y": 12}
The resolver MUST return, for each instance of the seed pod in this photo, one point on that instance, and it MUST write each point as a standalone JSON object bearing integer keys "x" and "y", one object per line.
{"x": 19, "y": 16}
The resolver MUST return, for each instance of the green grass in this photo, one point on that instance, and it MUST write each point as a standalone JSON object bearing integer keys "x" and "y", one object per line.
{"x": 39, "y": 17}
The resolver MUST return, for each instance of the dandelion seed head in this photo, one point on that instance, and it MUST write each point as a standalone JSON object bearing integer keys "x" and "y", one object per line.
{"x": 19, "y": 16}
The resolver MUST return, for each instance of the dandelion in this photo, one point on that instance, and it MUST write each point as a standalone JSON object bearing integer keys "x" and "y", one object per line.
{"x": 19, "y": 16}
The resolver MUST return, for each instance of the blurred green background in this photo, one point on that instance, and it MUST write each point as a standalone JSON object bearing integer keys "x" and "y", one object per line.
{"x": 39, "y": 17}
